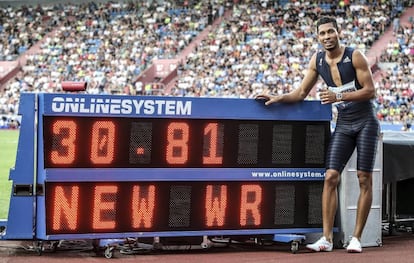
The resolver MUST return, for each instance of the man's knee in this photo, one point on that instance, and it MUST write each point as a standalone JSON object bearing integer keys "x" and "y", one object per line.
{"x": 365, "y": 179}
{"x": 332, "y": 178}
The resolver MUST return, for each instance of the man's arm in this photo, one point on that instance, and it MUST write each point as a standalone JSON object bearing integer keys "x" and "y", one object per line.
{"x": 301, "y": 92}
{"x": 364, "y": 77}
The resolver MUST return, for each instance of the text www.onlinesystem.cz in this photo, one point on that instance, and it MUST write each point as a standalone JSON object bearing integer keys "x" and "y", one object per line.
{"x": 287, "y": 174}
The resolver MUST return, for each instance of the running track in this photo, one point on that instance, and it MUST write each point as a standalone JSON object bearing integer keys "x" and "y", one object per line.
{"x": 398, "y": 248}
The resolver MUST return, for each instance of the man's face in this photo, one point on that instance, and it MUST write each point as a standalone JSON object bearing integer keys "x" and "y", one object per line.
{"x": 328, "y": 36}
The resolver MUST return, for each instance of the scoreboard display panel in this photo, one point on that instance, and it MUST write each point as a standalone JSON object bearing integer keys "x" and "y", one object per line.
{"x": 88, "y": 142}
{"x": 120, "y": 166}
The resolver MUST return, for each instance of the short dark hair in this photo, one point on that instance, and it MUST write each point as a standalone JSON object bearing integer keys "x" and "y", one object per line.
{"x": 326, "y": 20}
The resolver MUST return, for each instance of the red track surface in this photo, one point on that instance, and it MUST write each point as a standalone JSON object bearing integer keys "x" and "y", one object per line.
{"x": 397, "y": 248}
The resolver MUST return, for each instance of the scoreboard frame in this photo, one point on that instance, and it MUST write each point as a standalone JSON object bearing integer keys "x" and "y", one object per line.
{"x": 223, "y": 150}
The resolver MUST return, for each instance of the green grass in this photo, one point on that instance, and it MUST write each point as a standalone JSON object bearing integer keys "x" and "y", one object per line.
{"x": 8, "y": 148}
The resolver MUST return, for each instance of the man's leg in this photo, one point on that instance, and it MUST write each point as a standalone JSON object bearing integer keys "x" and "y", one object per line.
{"x": 329, "y": 206}
{"x": 364, "y": 202}
{"x": 363, "y": 208}
{"x": 329, "y": 202}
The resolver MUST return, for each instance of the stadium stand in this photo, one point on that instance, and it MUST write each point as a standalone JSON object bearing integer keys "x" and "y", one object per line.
{"x": 190, "y": 48}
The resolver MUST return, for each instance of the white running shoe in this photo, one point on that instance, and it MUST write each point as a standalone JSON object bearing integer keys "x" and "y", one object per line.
{"x": 354, "y": 246}
{"x": 321, "y": 245}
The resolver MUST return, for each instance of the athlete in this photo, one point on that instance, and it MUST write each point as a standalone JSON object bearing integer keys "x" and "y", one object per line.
{"x": 351, "y": 88}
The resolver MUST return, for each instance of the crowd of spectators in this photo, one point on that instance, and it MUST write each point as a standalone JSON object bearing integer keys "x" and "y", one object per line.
{"x": 21, "y": 28}
{"x": 263, "y": 46}
{"x": 106, "y": 45}
{"x": 396, "y": 85}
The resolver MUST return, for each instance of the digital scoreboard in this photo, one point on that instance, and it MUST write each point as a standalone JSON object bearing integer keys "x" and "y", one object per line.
{"x": 129, "y": 166}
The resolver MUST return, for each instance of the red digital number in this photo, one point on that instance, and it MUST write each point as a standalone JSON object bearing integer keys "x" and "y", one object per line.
{"x": 177, "y": 143}
{"x": 212, "y": 130}
{"x": 67, "y": 130}
{"x": 103, "y": 142}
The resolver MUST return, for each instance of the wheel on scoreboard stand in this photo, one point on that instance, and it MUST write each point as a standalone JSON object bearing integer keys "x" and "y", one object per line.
{"x": 294, "y": 246}
{"x": 109, "y": 252}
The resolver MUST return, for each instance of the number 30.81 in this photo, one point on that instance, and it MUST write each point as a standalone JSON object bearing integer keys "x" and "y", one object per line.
{"x": 103, "y": 134}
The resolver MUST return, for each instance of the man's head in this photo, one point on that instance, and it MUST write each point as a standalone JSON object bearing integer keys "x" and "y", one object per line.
{"x": 328, "y": 33}
{"x": 326, "y": 20}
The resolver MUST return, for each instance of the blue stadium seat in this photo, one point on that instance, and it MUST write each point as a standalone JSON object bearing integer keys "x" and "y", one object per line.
{"x": 22, "y": 49}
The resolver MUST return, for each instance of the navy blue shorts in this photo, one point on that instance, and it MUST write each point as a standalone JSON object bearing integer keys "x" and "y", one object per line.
{"x": 362, "y": 134}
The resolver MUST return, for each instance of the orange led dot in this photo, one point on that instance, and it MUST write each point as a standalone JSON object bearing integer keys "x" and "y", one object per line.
{"x": 140, "y": 151}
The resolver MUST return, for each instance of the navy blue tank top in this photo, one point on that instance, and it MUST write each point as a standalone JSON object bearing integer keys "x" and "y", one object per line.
{"x": 349, "y": 81}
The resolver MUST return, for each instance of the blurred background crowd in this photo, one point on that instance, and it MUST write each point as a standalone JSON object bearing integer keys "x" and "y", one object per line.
{"x": 213, "y": 48}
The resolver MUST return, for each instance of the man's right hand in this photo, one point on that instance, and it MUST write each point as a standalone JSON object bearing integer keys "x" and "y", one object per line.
{"x": 269, "y": 99}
